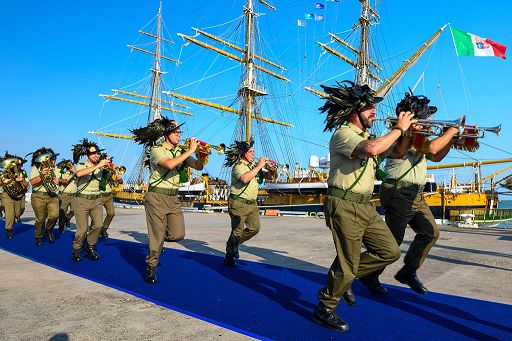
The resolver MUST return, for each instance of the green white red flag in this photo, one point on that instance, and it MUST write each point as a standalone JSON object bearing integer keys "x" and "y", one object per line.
{"x": 468, "y": 44}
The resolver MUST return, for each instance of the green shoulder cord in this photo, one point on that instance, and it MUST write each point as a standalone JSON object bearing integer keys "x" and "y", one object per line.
{"x": 410, "y": 169}
{"x": 357, "y": 180}
{"x": 102, "y": 183}
{"x": 380, "y": 174}
{"x": 181, "y": 169}
{"x": 62, "y": 171}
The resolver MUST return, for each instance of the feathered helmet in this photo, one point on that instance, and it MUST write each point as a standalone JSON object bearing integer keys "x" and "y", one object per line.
{"x": 8, "y": 158}
{"x": 344, "y": 100}
{"x": 236, "y": 151}
{"x": 155, "y": 130}
{"x": 85, "y": 147}
{"x": 41, "y": 151}
{"x": 417, "y": 105}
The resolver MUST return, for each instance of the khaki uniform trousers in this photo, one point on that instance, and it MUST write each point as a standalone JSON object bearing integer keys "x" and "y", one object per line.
{"x": 165, "y": 221}
{"x": 65, "y": 207}
{"x": 352, "y": 224}
{"x": 85, "y": 208}
{"x": 46, "y": 210}
{"x": 12, "y": 209}
{"x": 22, "y": 209}
{"x": 245, "y": 219}
{"x": 402, "y": 207}
{"x": 108, "y": 204}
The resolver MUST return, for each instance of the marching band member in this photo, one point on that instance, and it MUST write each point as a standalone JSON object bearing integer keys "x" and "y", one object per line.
{"x": 242, "y": 208}
{"x": 67, "y": 192}
{"x": 108, "y": 198}
{"x": 44, "y": 198}
{"x": 89, "y": 197}
{"x": 15, "y": 186}
{"x": 167, "y": 163}
{"x": 401, "y": 193}
{"x": 349, "y": 212}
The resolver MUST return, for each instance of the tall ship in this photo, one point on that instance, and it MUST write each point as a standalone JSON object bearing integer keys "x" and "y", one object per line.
{"x": 263, "y": 106}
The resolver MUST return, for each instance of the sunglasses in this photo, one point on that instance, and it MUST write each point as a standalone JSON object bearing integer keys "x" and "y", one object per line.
{"x": 177, "y": 132}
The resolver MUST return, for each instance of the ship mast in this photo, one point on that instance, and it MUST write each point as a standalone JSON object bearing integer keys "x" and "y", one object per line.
{"x": 156, "y": 94}
{"x": 249, "y": 90}
{"x": 362, "y": 55}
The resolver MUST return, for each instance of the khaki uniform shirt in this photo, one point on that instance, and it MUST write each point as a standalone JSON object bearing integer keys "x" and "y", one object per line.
{"x": 238, "y": 188}
{"x": 70, "y": 187}
{"x": 395, "y": 168}
{"x": 162, "y": 177}
{"x": 345, "y": 169}
{"x": 34, "y": 173}
{"x": 90, "y": 183}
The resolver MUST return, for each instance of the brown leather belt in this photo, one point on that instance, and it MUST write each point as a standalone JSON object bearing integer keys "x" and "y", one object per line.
{"x": 245, "y": 201}
{"x": 88, "y": 196}
{"x": 406, "y": 186}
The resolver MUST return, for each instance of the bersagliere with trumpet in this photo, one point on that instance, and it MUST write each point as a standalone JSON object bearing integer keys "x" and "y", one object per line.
{"x": 91, "y": 185}
{"x": 242, "y": 207}
{"x": 112, "y": 174}
{"x": 44, "y": 193}
{"x": 14, "y": 183}
{"x": 66, "y": 174}
{"x": 401, "y": 193}
{"x": 168, "y": 162}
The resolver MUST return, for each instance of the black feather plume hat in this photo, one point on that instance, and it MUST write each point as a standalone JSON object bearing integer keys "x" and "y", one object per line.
{"x": 84, "y": 147}
{"x": 236, "y": 151}
{"x": 150, "y": 134}
{"x": 344, "y": 100}
{"x": 9, "y": 158}
{"x": 417, "y": 105}
{"x": 41, "y": 151}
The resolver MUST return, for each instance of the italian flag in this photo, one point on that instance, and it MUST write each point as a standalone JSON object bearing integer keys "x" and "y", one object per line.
{"x": 468, "y": 44}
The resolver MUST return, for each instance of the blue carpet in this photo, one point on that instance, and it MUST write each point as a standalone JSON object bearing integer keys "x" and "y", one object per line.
{"x": 265, "y": 301}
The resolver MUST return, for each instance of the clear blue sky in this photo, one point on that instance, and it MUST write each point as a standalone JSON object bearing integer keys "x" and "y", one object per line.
{"x": 57, "y": 56}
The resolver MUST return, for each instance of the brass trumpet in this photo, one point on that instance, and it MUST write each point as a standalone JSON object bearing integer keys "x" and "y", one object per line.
{"x": 431, "y": 127}
{"x": 116, "y": 171}
{"x": 477, "y": 132}
{"x": 269, "y": 171}
{"x": 203, "y": 150}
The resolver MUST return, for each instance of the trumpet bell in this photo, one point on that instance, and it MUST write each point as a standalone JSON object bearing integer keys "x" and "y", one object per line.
{"x": 221, "y": 148}
{"x": 121, "y": 170}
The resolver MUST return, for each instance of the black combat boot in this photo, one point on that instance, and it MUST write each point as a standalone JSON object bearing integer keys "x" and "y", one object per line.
{"x": 39, "y": 241}
{"x": 50, "y": 237}
{"x": 90, "y": 250}
{"x": 68, "y": 223}
{"x": 76, "y": 256}
{"x": 232, "y": 246}
{"x": 8, "y": 234}
{"x": 329, "y": 318}
{"x": 349, "y": 297}
{"x": 61, "y": 228}
{"x": 150, "y": 276}
{"x": 373, "y": 284}
{"x": 104, "y": 233}
{"x": 407, "y": 276}
{"x": 229, "y": 260}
